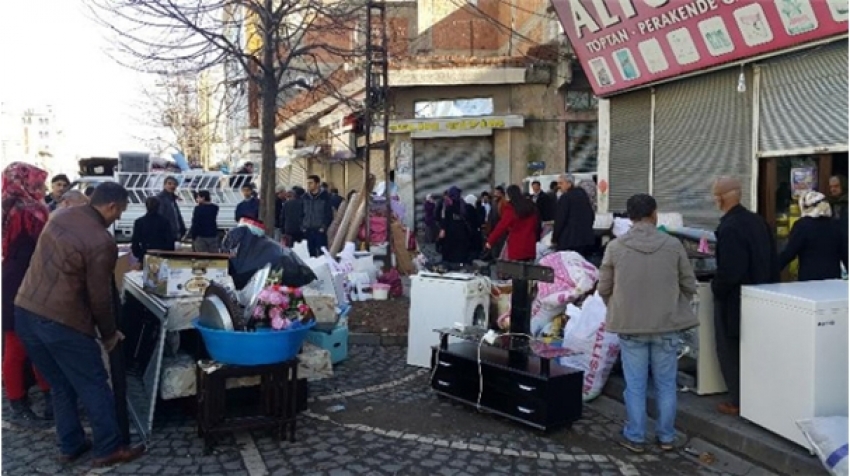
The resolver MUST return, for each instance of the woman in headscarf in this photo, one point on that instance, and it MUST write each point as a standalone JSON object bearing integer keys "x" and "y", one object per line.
{"x": 24, "y": 215}
{"x": 431, "y": 228}
{"x": 455, "y": 232}
{"x": 521, "y": 222}
{"x": 816, "y": 241}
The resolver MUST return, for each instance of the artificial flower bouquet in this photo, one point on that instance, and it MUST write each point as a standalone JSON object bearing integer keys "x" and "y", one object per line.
{"x": 280, "y": 308}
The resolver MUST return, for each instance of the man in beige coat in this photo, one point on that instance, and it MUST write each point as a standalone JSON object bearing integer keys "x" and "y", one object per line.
{"x": 647, "y": 283}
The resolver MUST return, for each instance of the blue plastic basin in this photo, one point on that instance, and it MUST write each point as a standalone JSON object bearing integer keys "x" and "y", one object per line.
{"x": 252, "y": 348}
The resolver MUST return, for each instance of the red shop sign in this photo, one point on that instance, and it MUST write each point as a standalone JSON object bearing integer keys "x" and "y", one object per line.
{"x": 623, "y": 44}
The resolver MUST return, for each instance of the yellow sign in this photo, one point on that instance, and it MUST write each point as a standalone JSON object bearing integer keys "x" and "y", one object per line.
{"x": 459, "y": 125}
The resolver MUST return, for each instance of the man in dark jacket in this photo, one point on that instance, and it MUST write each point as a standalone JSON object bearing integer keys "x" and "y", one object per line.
{"x": 249, "y": 207}
{"x": 169, "y": 209}
{"x": 64, "y": 312}
{"x": 318, "y": 215}
{"x": 151, "y": 232}
{"x": 58, "y": 186}
{"x": 204, "y": 230}
{"x": 573, "y": 230}
{"x": 292, "y": 216}
{"x": 746, "y": 254}
{"x": 545, "y": 203}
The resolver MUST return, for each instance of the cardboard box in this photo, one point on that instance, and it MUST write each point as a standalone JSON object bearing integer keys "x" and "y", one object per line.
{"x": 180, "y": 273}
{"x": 122, "y": 266}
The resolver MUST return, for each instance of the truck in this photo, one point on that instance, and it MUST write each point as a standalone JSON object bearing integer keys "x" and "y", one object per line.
{"x": 224, "y": 189}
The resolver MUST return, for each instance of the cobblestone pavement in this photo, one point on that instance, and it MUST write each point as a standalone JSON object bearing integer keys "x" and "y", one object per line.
{"x": 376, "y": 416}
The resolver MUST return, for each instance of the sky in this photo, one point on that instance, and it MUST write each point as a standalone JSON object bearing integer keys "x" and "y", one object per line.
{"x": 51, "y": 52}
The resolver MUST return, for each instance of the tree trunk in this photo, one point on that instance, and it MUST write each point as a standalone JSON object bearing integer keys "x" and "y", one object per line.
{"x": 268, "y": 175}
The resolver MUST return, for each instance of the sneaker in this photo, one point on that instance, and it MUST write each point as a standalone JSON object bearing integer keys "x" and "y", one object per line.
{"x": 629, "y": 444}
{"x": 21, "y": 411}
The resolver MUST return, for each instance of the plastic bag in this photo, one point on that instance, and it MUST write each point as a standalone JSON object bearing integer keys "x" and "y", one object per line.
{"x": 393, "y": 279}
{"x": 828, "y": 437}
{"x": 249, "y": 253}
{"x": 574, "y": 277}
{"x": 594, "y": 353}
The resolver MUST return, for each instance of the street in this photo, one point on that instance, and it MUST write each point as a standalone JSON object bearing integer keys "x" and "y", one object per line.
{"x": 376, "y": 416}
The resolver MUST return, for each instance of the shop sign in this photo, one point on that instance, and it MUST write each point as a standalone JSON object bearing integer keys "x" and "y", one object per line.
{"x": 455, "y": 125}
{"x": 622, "y": 44}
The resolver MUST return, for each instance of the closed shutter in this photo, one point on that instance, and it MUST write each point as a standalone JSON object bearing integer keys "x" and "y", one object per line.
{"x": 299, "y": 173}
{"x": 628, "y": 172}
{"x": 438, "y": 164}
{"x": 376, "y": 165}
{"x": 283, "y": 177}
{"x": 803, "y": 101}
{"x": 354, "y": 175}
{"x": 703, "y": 129}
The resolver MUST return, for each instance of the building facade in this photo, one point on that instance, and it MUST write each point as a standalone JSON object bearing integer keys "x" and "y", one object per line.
{"x": 31, "y": 134}
{"x": 480, "y": 94}
{"x": 745, "y": 89}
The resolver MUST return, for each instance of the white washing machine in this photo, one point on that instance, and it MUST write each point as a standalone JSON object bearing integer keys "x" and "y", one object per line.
{"x": 439, "y": 301}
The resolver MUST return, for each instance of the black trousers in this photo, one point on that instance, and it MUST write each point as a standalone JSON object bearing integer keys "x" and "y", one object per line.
{"x": 728, "y": 354}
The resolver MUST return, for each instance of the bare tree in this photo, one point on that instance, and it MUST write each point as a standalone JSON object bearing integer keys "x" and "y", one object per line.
{"x": 279, "y": 47}
{"x": 171, "y": 107}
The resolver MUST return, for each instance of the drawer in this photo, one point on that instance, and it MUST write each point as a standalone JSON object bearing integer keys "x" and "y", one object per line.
{"x": 527, "y": 409}
{"x": 447, "y": 360}
{"x": 515, "y": 384}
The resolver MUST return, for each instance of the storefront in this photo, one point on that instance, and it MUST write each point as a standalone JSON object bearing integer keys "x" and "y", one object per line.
{"x": 745, "y": 89}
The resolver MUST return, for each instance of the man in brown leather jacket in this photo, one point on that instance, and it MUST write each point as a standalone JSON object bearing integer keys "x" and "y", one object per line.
{"x": 64, "y": 303}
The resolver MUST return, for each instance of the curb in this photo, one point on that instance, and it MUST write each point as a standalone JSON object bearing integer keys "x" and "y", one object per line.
{"x": 734, "y": 434}
{"x": 383, "y": 340}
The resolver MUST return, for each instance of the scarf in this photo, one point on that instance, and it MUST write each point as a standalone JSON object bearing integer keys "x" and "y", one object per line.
{"x": 24, "y": 210}
{"x": 815, "y": 205}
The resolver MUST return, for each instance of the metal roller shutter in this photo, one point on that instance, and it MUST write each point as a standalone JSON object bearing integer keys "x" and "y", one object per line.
{"x": 298, "y": 175}
{"x": 703, "y": 129}
{"x": 354, "y": 175}
{"x": 803, "y": 101}
{"x": 376, "y": 165}
{"x": 630, "y": 147}
{"x": 438, "y": 164}
{"x": 283, "y": 176}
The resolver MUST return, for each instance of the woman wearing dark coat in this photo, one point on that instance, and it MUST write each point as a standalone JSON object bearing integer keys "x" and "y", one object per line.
{"x": 816, "y": 241}
{"x": 455, "y": 231}
{"x": 24, "y": 217}
{"x": 152, "y": 231}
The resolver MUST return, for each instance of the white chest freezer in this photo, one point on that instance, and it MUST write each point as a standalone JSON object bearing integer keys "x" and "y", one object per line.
{"x": 793, "y": 354}
{"x": 439, "y": 301}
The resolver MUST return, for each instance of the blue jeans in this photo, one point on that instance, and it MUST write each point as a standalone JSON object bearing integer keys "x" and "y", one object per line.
{"x": 640, "y": 354}
{"x": 71, "y": 363}
{"x": 316, "y": 240}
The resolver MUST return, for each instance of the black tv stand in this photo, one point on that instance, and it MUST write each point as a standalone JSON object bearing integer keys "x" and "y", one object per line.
{"x": 509, "y": 379}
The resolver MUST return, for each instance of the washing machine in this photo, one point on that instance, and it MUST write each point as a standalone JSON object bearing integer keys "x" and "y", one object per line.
{"x": 439, "y": 301}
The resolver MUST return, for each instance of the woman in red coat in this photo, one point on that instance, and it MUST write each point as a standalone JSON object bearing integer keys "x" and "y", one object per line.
{"x": 522, "y": 224}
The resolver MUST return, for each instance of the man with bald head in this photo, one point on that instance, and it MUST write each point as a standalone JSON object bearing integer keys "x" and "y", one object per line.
{"x": 746, "y": 255}
{"x": 574, "y": 217}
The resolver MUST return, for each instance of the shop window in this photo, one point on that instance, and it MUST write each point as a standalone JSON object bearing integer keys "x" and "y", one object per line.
{"x": 582, "y": 143}
{"x": 453, "y": 108}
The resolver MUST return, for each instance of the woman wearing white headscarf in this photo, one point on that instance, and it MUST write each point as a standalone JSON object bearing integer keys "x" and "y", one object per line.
{"x": 816, "y": 241}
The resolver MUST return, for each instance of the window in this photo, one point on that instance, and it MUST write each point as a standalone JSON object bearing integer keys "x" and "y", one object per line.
{"x": 581, "y": 100}
{"x": 453, "y": 108}
{"x": 582, "y": 142}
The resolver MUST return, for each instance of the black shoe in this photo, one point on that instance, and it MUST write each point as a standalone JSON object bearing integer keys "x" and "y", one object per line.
{"x": 21, "y": 411}
{"x": 48, "y": 406}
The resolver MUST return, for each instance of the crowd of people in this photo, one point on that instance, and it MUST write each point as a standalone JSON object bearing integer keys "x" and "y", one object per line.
{"x": 508, "y": 223}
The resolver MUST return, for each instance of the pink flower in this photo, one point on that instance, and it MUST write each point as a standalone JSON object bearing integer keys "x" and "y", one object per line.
{"x": 259, "y": 312}
{"x": 278, "y": 323}
{"x": 303, "y": 308}
{"x": 297, "y": 292}
{"x": 266, "y": 295}
{"x": 275, "y": 313}
{"x": 284, "y": 301}
{"x": 275, "y": 298}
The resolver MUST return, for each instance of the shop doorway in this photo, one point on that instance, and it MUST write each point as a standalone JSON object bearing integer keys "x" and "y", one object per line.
{"x": 779, "y": 180}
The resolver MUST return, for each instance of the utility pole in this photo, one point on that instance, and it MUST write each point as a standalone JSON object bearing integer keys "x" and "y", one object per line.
{"x": 377, "y": 117}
